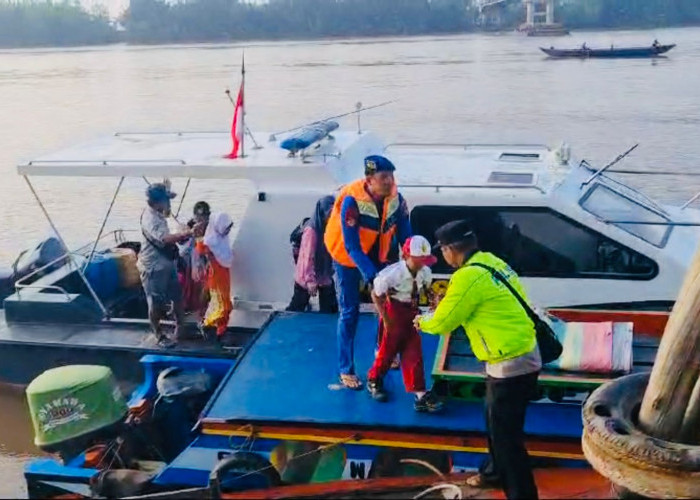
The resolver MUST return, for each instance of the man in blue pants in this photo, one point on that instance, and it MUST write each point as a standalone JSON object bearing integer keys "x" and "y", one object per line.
{"x": 368, "y": 219}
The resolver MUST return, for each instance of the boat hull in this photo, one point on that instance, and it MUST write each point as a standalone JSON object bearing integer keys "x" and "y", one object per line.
{"x": 623, "y": 53}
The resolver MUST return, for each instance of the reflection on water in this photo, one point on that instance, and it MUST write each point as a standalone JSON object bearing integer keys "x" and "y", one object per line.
{"x": 471, "y": 88}
{"x": 16, "y": 437}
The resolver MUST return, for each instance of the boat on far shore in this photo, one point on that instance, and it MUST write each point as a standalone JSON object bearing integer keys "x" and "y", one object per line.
{"x": 584, "y": 52}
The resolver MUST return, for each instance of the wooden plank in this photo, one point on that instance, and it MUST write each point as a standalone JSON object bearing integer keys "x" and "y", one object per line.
{"x": 463, "y": 441}
{"x": 551, "y": 483}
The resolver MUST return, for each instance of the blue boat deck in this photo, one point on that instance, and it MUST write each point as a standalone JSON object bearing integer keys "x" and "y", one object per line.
{"x": 289, "y": 377}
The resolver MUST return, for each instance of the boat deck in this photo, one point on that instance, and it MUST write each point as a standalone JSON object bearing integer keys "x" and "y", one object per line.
{"x": 26, "y": 349}
{"x": 288, "y": 377}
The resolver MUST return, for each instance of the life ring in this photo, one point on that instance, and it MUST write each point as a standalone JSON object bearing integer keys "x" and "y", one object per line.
{"x": 246, "y": 470}
{"x": 618, "y": 450}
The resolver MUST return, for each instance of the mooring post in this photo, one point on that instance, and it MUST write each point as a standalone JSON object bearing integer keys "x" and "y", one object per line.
{"x": 675, "y": 373}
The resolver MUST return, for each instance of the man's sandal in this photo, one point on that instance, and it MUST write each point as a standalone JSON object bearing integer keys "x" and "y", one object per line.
{"x": 351, "y": 381}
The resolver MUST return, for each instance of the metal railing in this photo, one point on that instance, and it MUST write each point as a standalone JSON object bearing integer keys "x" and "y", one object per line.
{"x": 465, "y": 146}
{"x": 437, "y": 187}
{"x": 21, "y": 284}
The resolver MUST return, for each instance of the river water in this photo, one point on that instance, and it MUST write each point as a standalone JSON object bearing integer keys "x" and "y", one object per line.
{"x": 472, "y": 88}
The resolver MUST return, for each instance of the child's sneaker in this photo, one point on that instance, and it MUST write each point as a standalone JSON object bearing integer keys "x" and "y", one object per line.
{"x": 376, "y": 390}
{"x": 428, "y": 403}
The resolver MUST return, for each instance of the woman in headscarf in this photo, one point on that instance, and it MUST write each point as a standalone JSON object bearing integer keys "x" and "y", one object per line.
{"x": 314, "y": 271}
{"x": 217, "y": 248}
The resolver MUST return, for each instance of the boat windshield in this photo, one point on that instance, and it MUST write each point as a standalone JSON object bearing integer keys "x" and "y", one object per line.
{"x": 627, "y": 213}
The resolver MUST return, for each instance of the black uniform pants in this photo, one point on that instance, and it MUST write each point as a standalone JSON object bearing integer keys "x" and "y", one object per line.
{"x": 328, "y": 303}
{"x": 508, "y": 463}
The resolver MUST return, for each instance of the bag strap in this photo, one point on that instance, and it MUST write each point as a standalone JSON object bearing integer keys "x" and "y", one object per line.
{"x": 531, "y": 314}
{"x": 160, "y": 248}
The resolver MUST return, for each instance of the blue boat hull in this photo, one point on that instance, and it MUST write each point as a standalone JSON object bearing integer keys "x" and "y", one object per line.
{"x": 622, "y": 53}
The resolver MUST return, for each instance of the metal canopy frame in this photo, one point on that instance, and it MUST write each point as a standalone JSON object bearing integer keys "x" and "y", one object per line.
{"x": 70, "y": 255}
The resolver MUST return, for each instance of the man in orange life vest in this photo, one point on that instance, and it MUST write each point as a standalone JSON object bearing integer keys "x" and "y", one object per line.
{"x": 369, "y": 217}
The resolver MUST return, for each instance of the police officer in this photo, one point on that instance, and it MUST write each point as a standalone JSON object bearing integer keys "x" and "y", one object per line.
{"x": 501, "y": 334}
{"x": 368, "y": 219}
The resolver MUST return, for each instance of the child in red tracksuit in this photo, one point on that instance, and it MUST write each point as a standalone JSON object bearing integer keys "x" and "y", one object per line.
{"x": 395, "y": 293}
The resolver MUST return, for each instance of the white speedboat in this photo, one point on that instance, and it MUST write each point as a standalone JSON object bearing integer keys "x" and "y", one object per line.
{"x": 579, "y": 238}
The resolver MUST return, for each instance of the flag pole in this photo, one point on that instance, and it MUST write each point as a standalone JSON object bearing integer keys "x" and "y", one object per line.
{"x": 243, "y": 110}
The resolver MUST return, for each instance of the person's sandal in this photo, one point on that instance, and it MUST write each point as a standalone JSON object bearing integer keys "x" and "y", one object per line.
{"x": 479, "y": 481}
{"x": 165, "y": 342}
{"x": 351, "y": 382}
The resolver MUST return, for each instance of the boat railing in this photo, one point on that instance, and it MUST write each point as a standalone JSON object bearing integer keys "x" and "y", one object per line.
{"x": 464, "y": 146}
{"x": 107, "y": 163}
{"x": 118, "y": 236}
{"x": 694, "y": 198}
{"x": 437, "y": 187}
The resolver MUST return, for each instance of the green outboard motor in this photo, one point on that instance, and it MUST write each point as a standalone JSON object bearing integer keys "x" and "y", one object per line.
{"x": 73, "y": 406}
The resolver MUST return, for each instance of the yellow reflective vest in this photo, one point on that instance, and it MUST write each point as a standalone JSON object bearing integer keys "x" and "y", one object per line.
{"x": 497, "y": 326}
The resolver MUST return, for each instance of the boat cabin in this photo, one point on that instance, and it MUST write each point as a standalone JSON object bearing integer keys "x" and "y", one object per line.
{"x": 577, "y": 237}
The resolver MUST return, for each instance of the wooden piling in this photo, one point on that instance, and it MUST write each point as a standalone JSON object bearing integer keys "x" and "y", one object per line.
{"x": 672, "y": 393}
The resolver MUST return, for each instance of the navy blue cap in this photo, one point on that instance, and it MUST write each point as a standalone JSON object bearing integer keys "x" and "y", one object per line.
{"x": 377, "y": 163}
{"x": 453, "y": 232}
{"x": 158, "y": 192}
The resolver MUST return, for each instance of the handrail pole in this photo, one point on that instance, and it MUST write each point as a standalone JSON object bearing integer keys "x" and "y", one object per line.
{"x": 42, "y": 287}
{"x": 62, "y": 257}
{"x": 70, "y": 255}
{"x": 182, "y": 198}
{"x": 104, "y": 223}
{"x": 688, "y": 203}
{"x": 602, "y": 170}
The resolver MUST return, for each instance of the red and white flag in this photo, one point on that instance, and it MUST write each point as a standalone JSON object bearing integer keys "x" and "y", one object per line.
{"x": 237, "y": 132}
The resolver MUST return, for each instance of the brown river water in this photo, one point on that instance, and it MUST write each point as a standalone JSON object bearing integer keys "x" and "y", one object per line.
{"x": 472, "y": 88}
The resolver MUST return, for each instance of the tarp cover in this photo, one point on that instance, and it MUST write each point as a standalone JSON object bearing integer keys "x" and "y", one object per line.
{"x": 604, "y": 347}
{"x": 70, "y": 401}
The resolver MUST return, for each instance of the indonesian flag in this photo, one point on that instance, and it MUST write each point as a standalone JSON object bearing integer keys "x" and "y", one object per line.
{"x": 237, "y": 131}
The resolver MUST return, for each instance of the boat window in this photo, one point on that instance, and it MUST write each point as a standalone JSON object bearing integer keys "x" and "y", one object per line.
{"x": 538, "y": 242}
{"x": 511, "y": 178}
{"x": 519, "y": 156}
{"x": 612, "y": 206}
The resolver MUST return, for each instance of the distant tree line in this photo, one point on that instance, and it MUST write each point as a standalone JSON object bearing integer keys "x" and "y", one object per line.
{"x": 630, "y": 13}
{"x": 64, "y": 23}
{"x": 612, "y": 14}
{"x": 219, "y": 20}
{"x": 31, "y": 24}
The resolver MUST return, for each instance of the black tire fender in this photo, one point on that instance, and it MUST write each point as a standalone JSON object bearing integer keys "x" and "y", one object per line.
{"x": 615, "y": 446}
{"x": 245, "y": 462}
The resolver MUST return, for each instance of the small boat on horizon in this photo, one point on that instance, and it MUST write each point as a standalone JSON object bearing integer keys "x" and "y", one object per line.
{"x": 585, "y": 52}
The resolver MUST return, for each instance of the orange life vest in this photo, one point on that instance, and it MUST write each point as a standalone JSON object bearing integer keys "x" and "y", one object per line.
{"x": 371, "y": 227}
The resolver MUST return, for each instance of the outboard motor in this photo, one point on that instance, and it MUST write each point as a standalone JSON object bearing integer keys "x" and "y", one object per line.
{"x": 29, "y": 261}
{"x": 73, "y": 407}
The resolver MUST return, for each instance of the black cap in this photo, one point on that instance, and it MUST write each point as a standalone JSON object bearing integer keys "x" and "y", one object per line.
{"x": 453, "y": 232}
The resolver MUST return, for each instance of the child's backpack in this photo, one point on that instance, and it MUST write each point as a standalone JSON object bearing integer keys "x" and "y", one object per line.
{"x": 295, "y": 238}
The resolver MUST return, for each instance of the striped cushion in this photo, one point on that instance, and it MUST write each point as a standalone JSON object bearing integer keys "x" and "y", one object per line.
{"x": 604, "y": 347}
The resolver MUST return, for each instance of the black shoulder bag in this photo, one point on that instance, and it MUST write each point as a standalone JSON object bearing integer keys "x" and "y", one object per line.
{"x": 550, "y": 347}
{"x": 167, "y": 250}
